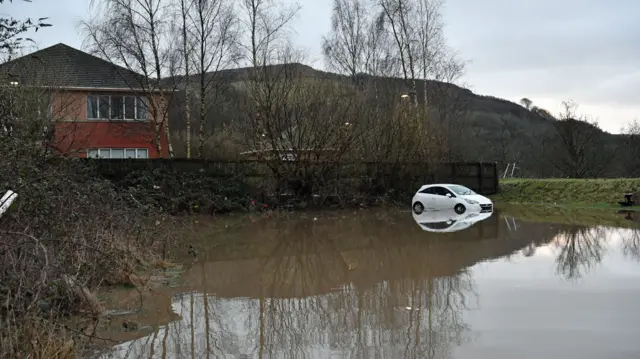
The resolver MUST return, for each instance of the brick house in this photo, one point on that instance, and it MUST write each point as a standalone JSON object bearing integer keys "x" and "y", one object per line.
{"x": 97, "y": 108}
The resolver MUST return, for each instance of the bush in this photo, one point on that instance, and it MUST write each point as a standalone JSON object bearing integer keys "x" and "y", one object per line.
{"x": 67, "y": 233}
{"x": 173, "y": 191}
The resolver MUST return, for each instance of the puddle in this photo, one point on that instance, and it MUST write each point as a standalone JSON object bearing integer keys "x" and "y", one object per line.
{"x": 376, "y": 284}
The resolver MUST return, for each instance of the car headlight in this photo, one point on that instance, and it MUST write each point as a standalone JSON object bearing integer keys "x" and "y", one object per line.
{"x": 470, "y": 201}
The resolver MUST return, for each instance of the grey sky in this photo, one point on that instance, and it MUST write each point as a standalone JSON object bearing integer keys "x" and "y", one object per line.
{"x": 546, "y": 50}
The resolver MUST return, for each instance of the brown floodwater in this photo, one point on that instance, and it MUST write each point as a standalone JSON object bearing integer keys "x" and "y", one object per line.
{"x": 388, "y": 284}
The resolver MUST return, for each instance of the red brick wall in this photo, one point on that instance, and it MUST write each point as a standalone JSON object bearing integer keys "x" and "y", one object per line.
{"x": 75, "y": 134}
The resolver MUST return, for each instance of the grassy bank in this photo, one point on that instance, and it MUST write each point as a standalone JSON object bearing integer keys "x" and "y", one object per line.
{"x": 579, "y": 193}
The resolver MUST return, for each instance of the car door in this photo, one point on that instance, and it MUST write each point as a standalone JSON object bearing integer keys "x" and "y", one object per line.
{"x": 441, "y": 199}
{"x": 429, "y": 198}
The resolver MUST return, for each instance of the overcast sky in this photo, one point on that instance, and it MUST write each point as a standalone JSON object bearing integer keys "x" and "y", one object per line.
{"x": 545, "y": 50}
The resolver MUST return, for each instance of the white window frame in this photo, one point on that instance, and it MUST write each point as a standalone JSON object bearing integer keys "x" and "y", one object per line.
{"x": 97, "y": 107}
{"x": 135, "y": 108}
{"x": 138, "y": 101}
{"x": 137, "y": 150}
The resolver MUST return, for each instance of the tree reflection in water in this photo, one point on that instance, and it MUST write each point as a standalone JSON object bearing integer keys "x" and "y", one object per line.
{"x": 581, "y": 248}
{"x": 345, "y": 287}
{"x": 631, "y": 244}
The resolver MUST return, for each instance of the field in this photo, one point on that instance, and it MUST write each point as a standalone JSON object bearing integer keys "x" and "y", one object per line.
{"x": 578, "y": 193}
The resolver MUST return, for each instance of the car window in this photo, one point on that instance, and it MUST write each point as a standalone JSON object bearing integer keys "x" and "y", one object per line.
{"x": 428, "y": 190}
{"x": 461, "y": 190}
{"x": 441, "y": 191}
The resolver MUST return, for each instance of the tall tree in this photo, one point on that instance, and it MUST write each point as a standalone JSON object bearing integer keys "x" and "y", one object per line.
{"x": 432, "y": 50}
{"x": 214, "y": 32}
{"x": 186, "y": 53}
{"x": 135, "y": 34}
{"x": 396, "y": 16}
{"x": 345, "y": 48}
{"x": 264, "y": 23}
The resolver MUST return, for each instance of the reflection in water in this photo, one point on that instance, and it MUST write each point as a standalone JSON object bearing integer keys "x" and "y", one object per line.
{"x": 349, "y": 285}
{"x": 445, "y": 221}
{"x": 580, "y": 249}
{"x": 631, "y": 244}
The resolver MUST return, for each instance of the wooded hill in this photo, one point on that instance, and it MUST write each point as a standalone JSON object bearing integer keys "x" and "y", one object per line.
{"x": 479, "y": 128}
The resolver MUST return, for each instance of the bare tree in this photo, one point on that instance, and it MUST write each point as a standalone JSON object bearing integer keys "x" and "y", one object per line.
{"x": 396, "y": 17}
{"x": 214, "y": 31}
{"x": 448, "y": 104}
{"x": 135, "y": 34}
{"x": 300, "y": 127}
{"x": 576, "y": 149}
{"x": 345, "y": 48}
{"x": 433, "y": 54}
{"x": 265, "y": 23}
{"x": 380, "y": 50}
{"x": 186, "y": 53}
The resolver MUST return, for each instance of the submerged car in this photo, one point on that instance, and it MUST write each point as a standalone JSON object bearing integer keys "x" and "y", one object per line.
{"x": 448, "y": 221}
{"x": 461, "y": 199}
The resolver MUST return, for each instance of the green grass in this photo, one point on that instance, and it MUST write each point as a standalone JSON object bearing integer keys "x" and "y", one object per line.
{"x": 573, "y": 193}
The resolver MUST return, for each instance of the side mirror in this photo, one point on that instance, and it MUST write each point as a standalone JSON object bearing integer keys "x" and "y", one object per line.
{"x": 449, "y": 195}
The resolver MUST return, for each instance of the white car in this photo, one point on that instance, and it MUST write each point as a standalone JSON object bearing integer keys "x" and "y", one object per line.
{"x": 448, "y": 221}
{"x": 438, "y": 197}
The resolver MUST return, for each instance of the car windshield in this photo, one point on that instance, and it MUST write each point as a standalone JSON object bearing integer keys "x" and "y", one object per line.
{"x": 461, "y": 190}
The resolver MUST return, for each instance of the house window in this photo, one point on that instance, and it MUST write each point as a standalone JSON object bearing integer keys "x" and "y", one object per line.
{"x": 141, "y": 108}
{"x": 103, "y": 106}
{"x": 92, "y": 107}
{"x": 116, "y": 107}
{"x": 129, "y": 107}
{"x": 115, "y": 153}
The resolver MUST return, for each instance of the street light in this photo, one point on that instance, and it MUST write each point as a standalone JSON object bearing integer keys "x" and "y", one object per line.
{"x": 13, "y": 83}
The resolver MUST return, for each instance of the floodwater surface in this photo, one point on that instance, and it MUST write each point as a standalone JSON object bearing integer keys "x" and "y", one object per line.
{"x": 382, "y": 284}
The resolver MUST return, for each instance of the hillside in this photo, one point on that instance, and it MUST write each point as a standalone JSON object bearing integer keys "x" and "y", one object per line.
{"x": 489, "y": 129}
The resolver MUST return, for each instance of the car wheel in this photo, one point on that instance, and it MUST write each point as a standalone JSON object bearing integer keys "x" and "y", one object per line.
{"x": 418, "y": 208}
{"x": 459, "y": 208}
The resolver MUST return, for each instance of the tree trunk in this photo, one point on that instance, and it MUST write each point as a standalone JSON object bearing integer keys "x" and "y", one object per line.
{"x": 165, "y": 124}
{"x": 201, "y": 130}
{"x": 187, "y": 116}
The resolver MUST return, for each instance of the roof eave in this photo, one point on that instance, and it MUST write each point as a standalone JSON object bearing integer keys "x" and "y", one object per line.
{"x": 106, "y": 89}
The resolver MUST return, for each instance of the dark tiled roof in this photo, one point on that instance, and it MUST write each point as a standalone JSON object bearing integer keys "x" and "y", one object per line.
{"x": 63, "y": 66}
